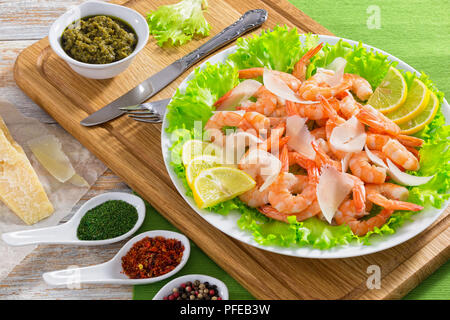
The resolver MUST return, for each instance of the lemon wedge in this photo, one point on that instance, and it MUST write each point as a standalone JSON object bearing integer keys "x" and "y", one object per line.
{"x": 198, "y": 164}
{"x": 194, "y": 148}
{"x": 391, "y": 93}
{"x": 422, "y": 119}
{"x": 416, "y": 101}
{"x": 220, "y": 184}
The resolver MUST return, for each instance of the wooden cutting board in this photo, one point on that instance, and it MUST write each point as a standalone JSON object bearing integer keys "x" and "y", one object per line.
{"x": 132, "y": 150}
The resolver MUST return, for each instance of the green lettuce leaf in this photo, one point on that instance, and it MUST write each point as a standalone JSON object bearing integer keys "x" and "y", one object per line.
{"x": 196, "y": 102}
{"x": 434, "y": 160}
{"x": 279, "y": 49}
{"x": 177, "y": 23}
{"x": 312, "y": 232}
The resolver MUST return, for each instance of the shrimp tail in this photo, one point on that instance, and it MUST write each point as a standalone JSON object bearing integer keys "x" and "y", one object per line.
{"x": 284, "y": 158}
{"x": 291, "y": 108}
{"x": 392, "y": 204}
{"x": 300, "y": 67}
{"x": 251, "y": 73}
{"x": 311, "y": 52}
{"x": 331, "y": 112}
{"x": 361, "y": 228}
{"x": 273, "y": 213}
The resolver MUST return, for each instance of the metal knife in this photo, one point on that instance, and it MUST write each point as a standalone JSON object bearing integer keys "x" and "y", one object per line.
{"x": 250, "y": 20}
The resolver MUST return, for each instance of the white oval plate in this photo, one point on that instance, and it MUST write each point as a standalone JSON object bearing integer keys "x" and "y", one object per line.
{"x": 228, "y": 223}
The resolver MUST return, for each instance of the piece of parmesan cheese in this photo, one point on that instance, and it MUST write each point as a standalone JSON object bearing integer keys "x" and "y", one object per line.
{"x": 48, "y": 150}
{"x": 20, "y": 188}
{"x": 78, "y": 181}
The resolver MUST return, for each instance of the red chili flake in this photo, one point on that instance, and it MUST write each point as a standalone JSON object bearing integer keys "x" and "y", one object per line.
{"x": 152, "y": 257}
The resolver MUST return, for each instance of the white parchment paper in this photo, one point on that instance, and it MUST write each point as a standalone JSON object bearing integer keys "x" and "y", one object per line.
{"x": 63, "y": 196}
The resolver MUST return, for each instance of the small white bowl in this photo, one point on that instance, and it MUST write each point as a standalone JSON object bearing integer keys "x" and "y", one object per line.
{"x": 91, "y": 8}
{"x": 111, "y": 272}
{"x": 66, "y": 233}
{"x": 167, "y": 289}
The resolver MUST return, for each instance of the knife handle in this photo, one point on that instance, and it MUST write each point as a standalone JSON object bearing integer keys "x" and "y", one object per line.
{"x": 250, "y": 20}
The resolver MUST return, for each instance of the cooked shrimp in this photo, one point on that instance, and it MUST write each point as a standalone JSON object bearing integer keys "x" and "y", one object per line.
{"x": 275, "y": 121}
{"x": 275, "y": 140}
{"x": 266, "y": 102}
{"x": 279, "y": 112}
{"x": 390, "y": 196}
{"x": 347, "y": 214}
{"x": 377, "y": 121}
{"x": 348, "y": 106}
{"x": 395, "y": 150}
{"x": 309, "y": 165}
{"x": 333, "y": 121}
{"x": 281, "y": 195}
{"x": 400, "y": 155}
{"x": 360, "y": 86}
{"x": 314, "y": 111}
{"x": 220, "y": 120}
{"x": 409, "y": 141}
{"x": 319, "y": 133}
{"x": 376, "y": 141}
{"x": 360, "y": 166}
{"x": 415, "y": 152}
{"x": 290, "y": 80}
{"x": 323, "y": 159}
{"x": 312, "y": 88}
{"x": 257, "y": 120}
{"x": 255, "y": 198}
{"x": 282, "y": 198}
{"x": 358, "y": 192}
{"x": 300, "y": 67}
{"x": 273, "y": 213}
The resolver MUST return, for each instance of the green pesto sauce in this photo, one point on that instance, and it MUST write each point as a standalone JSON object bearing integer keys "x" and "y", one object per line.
{"x": 99, "y": 39}
{"x": 108, "y": 220}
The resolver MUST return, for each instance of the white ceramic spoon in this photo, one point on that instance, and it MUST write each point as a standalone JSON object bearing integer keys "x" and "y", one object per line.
{"x": 175, "y": 283}
{"x": 111, "y": 272}
{"x": 67, "y": 233}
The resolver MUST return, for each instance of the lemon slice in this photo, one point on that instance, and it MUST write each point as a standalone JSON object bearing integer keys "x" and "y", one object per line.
{"x": 220, "y": 184}
{"x": 422, "y": 119}
{"x": 416, "y": 101}
{"x": 194, "y": 148}
{"x": 198, "y": 164}
{"x": 391, "y": 93}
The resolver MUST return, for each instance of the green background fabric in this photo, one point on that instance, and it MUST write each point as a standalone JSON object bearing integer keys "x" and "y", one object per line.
{"x": 414, "y": 31}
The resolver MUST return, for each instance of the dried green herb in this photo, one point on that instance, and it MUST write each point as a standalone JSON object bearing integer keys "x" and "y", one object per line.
{"x": 109, "y": 220}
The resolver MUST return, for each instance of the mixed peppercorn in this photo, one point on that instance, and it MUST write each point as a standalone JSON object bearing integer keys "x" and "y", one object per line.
{"x": 152, "y": 257}
{"x": 194, "y": 291}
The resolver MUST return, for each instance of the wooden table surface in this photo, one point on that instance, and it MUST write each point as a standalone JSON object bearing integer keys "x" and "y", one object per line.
{"x": 22, "y": 22}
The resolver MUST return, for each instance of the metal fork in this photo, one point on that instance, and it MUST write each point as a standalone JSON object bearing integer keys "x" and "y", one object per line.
{"x": 150, "y": 112}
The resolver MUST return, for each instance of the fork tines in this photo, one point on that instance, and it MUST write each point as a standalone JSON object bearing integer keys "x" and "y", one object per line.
{"x": 143, "y": 114}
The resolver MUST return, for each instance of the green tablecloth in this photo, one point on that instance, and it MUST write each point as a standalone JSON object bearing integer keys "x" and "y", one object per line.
{"x": 416, "y": 32}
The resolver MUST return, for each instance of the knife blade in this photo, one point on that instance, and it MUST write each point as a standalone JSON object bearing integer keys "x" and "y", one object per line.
{"x": 250, "y": 20}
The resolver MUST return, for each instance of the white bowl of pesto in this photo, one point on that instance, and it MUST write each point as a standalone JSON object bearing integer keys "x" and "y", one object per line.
{"x": 93, "y": 8}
